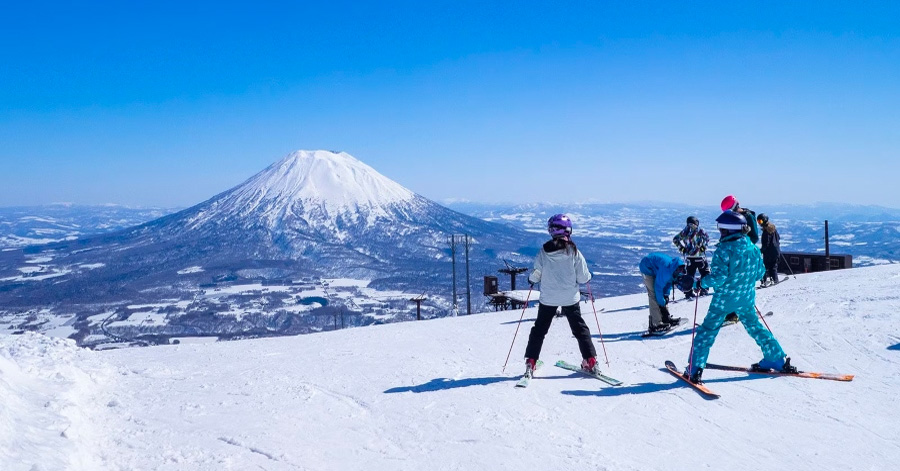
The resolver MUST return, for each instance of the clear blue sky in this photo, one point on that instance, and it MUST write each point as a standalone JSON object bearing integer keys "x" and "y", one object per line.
{"x": 168, "y": 103}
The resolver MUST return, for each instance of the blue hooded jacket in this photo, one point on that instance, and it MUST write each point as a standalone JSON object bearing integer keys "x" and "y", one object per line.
{"x": 663, "y": 268}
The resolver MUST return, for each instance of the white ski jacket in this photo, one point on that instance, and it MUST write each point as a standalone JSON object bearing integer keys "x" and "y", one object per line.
{"x": 559, "y": 271}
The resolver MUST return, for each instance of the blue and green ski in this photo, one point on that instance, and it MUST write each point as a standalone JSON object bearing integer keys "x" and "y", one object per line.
{"x": 602, "y": 377}
{"x": 523, "y": 383}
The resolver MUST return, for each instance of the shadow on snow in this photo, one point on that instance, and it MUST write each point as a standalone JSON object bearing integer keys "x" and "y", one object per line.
{"x": 648, "y": 388}
{"x": 633, "y": 308}
{"x": 441, "y": 384}
{"x": 523, "y": 321}
{"x": 631, "y": 336}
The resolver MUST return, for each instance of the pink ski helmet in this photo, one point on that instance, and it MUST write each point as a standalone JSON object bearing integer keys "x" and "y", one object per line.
{"x": 730, "y": 203}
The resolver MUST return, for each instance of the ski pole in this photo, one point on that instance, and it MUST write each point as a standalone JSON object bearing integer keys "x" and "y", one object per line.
{"x": 598, "y": 323}
{"x": 693, "y": 332}
{"x": 788, "y": 264}
{"x": 527, "y": 298}
{"x": 759, "y": 313}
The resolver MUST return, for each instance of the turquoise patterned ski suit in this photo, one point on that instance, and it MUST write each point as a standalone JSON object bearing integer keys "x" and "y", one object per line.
{"x": 736, "y": 266}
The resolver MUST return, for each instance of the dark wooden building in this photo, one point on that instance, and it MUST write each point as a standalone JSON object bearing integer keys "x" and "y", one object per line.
{"x": 798, "y": 262}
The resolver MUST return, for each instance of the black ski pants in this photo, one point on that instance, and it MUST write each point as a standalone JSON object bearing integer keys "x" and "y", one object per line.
{"x": 770, "y": 260}
{"x": 545, "y": 317}
{"x": 695, "y": 264}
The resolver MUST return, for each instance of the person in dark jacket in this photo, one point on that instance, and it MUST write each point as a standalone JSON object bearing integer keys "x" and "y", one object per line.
{"x": 771, "y": 249}
{"x": 560, "y": 268}
{"x": 661, "y": 272}
{"x": 691, "y": 242}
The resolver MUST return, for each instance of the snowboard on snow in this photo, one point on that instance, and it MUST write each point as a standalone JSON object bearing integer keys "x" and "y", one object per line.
{"x": 662, "y": 333}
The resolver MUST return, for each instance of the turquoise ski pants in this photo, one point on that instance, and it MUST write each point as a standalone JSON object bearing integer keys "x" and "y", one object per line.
{"x": 746, "y": 311}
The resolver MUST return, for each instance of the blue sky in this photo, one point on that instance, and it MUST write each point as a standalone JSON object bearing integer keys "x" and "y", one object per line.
{"x": 166, "y": 104}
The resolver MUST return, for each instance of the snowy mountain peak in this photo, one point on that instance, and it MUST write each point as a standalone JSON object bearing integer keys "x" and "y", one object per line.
{"x": 336, "y": 181}
{"x": 319, "y": 189}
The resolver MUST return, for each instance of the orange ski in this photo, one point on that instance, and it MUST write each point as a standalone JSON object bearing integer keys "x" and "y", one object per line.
{"x": 801, "y": 374}
{"x": 699, "y": 387}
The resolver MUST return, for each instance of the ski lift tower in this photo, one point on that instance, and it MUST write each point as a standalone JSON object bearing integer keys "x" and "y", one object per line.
{"x": 513, "y": 272}
{"x": 418, "y": 300}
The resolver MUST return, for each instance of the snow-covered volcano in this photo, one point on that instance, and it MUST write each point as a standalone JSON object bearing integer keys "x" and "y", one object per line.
{"x": 329, "y": 211}
{"x": 311, "y": 214}
{"x": 316, "y": 188}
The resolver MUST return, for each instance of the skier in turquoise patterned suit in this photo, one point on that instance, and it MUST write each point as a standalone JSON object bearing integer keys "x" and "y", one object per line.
{"x": 736, "y": 266}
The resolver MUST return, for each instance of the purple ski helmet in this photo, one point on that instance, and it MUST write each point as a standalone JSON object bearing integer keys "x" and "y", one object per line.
{"x": 559, "y": 225}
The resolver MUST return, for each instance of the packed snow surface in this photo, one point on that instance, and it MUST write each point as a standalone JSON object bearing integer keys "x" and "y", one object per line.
{"x": 432, "y": 395}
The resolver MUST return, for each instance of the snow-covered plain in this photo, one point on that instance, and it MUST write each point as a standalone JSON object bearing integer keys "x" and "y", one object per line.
{"x": 431, "y": 395}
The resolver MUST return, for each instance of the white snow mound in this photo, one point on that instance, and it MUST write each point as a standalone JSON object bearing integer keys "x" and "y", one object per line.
{"x": 54, "y": 413}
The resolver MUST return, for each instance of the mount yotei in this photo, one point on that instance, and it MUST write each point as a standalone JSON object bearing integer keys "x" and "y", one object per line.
{"x": 315, "y": 241}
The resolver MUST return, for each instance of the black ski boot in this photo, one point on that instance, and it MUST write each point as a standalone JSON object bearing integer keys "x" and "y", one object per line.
{"x": 672, "y": 321}
{"x": 667, "y": 318}
{"x": 695, "y": 376}
{"x": 658, "y": 330}
{"x": 788, "y": 368}
{"x": 780, "y": 366}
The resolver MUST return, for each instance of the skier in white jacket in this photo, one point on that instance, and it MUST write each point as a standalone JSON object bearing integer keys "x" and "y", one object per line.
{"x": 559, "y": 267}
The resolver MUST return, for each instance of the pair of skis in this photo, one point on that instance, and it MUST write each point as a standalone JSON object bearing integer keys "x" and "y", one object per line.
{"x": 523, "y": 383}
{"x": 771, "y": 284}
{"x": 701, "y": 388}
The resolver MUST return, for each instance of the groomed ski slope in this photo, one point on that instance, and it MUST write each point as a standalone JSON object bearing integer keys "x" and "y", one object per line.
{"x": 431, "y": 395}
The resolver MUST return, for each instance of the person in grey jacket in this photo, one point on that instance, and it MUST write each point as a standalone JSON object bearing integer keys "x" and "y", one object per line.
{"x": 559, "y": 267}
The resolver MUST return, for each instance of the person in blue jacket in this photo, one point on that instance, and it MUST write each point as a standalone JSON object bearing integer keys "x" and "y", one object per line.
{"x": 736, "y": 266}
{"x": 661, "y": 272}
